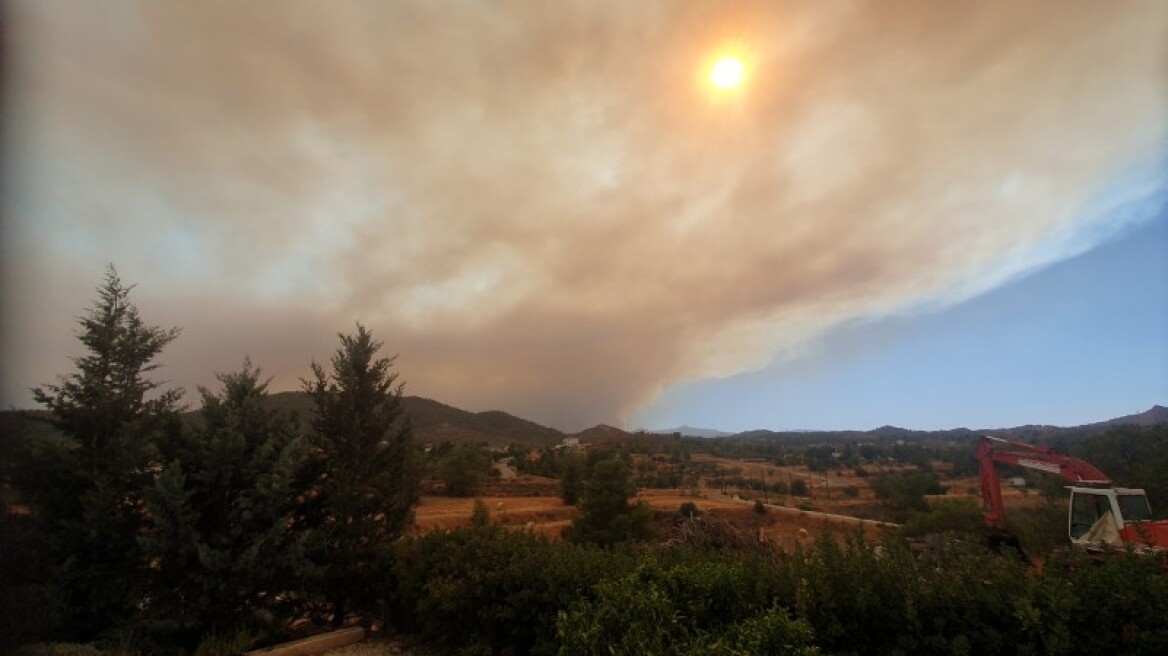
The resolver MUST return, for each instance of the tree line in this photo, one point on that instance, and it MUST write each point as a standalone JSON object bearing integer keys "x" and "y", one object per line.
{"x": 136, "y": 529}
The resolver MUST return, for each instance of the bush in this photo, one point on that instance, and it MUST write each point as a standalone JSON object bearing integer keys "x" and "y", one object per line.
{"x": 480, "y": 515}
{"x": 900, "y": 494}
{"x": 690, "y": 608}
{"x": 491, "y": 590}
{"x": 799, "y": 487}
{"x": 860, "y": 599}
{"x": 463, "y": 469}
{"x": 959, "y": 516}
{"x": 606, "y": 517}
{"x": 1039, "y": 530}
{"x": 223, "y": 644}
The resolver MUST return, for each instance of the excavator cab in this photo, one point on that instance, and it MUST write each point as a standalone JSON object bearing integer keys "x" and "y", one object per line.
{"x": 1099, "y": 515}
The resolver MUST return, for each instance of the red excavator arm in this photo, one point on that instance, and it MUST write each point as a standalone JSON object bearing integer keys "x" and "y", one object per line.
{"x": 992, "y": 450}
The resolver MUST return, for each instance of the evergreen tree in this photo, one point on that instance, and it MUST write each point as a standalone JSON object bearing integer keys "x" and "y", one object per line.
{"x": 89, "y": 498}
{"x": 572, "y": 478}
{"x": 221, "y": 529}
{"x": 368, "y": 481}
{"x": 463, "y": 469}
{"x": 606, "y": 516}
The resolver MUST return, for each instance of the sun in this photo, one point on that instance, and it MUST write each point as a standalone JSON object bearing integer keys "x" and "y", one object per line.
{"x": 727, "y": 72}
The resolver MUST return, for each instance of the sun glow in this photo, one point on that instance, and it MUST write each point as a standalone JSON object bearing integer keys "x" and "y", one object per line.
{"x": 727, "y": 73}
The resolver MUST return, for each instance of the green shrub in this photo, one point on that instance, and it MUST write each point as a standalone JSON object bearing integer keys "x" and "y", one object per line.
{"x": 1039, "y": 530}
{"x": 224, "y": 644}
{"x": 958, "y": 516}
{"x": 689, "y": 608}
{"x": 492, "y": 590}
{"x": 480, "y": 515}
{"x": 1118, "y": 605}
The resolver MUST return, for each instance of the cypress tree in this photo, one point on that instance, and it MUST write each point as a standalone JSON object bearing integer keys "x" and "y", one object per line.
{"x": 112, "y": 416}
{"x": 367, "y": 481}
{"x": 226, "y": 550}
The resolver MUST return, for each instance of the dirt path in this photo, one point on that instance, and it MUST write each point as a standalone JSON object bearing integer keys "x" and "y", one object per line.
{"x": 377, "y": 646}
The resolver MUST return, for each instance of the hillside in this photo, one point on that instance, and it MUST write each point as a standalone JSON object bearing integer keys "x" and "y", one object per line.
{"x": 1157, "y": 415}
{"x": 436, "y": 422}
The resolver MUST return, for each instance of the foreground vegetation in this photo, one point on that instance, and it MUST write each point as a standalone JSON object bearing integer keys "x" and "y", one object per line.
{"x": 138, "y": 532}
{"x": 492, "y": 591}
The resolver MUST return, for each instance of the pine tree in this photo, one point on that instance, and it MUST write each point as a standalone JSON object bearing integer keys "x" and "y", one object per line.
{"x": 221, "y": 531}
{"x": 104, "y": 407}
{"x": 367, "y": 483}
{"x": 112, "y": 415}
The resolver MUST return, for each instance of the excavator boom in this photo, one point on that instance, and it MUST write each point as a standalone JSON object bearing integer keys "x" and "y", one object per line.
{"x": 992, "y": 450}
{"x": 1099, "y": 513}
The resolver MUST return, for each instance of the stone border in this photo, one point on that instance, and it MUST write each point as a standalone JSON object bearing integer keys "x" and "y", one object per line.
{"x": 315, "y": 644}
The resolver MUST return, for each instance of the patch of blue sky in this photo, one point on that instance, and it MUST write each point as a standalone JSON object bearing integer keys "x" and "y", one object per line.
{"x": 1079, "y": 341}
{"x": 1129, "y": 200}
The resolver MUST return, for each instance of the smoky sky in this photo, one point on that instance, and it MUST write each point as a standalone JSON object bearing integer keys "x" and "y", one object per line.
{"x": 540, "y": 206}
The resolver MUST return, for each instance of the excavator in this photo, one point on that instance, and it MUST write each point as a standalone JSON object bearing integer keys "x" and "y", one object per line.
{"x": 1100, "y": 516}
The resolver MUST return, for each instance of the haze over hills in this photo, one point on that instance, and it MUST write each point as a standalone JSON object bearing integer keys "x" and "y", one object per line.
{"x": 691, "y": 431}
{"x": 436, "y": 422}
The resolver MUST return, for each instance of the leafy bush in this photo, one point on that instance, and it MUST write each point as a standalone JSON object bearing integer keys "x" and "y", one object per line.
{"x": 492, "y": 590}
{"x": 957, "y": 516}
{"x": 1119, "y": 605}
{"x": 901, "y": 494}
{"x": 690, "y": 608}
{"x": 463, "y": 469}
{"x": 480, "y": 515}
{"x": 1039, "y": 530}
{"x": 606, "y": 517}
{"x": 223, "y": 644}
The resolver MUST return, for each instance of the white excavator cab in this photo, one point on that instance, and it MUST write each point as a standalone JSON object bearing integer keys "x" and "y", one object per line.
{"x": 1097, "y": 516}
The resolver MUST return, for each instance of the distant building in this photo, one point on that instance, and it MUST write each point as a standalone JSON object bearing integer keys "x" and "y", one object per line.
{"x": 1016, "y": 481}
{"x": 570, "y": 444}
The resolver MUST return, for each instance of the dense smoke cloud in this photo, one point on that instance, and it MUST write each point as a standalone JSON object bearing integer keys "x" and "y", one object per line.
{"x": 540, "y": 206}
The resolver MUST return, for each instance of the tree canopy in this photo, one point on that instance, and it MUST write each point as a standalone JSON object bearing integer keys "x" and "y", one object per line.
{"x": 367, "y": 481}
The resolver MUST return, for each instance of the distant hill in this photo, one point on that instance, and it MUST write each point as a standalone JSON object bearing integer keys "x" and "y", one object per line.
{"x": 690, "y": 431}
{"x": 1157, "y": 415}
{"x": 433, "y": 422}
{"x": 602, "y": 433}
{"x": 436, "y": 422}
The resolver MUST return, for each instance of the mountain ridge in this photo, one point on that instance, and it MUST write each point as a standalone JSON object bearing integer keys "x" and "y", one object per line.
{"x": 436, "y": 422}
